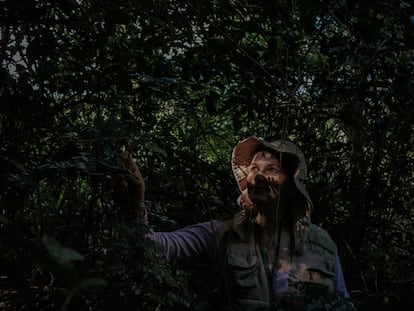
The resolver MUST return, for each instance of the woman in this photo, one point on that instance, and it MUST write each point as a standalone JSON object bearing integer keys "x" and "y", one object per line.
{"x": 270, "y": 254}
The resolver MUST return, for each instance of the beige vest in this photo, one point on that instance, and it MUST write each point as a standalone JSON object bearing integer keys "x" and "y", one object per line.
{"x": 247, "y": 277}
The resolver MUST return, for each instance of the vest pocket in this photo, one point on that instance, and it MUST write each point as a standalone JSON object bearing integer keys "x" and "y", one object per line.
{"x": 244, "y": 270}
{"x": 319, "y": 274}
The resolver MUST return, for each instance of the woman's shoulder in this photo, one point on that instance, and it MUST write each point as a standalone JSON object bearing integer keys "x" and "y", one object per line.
{"x": 320, "y": 239}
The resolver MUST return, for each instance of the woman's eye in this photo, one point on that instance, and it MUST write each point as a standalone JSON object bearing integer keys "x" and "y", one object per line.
{"x": 273, "y": 170}
{"x": 254, "y": 169}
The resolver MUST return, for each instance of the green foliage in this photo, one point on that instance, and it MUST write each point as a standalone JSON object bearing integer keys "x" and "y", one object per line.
{"x": 178, "y": 83}
{"x": 138, "y": 275}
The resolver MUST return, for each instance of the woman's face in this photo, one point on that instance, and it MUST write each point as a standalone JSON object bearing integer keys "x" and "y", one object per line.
{"x": 267, "y": 165}
{"x": 266, "y": 179}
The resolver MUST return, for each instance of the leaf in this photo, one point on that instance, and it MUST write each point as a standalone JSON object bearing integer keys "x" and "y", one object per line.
{"x": 157, "y": 149}
{"x": 61, "y": 254}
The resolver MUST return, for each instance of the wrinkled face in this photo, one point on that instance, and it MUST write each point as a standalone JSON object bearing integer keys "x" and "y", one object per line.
{"x": 264, "y": 178}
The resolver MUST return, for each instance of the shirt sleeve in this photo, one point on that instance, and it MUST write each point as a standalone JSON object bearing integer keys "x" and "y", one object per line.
{"x": 190, "y": 245}
{"x": 339, "y": 277}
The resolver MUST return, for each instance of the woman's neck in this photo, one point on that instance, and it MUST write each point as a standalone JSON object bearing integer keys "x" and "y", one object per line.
{"x": 273, "y": 220}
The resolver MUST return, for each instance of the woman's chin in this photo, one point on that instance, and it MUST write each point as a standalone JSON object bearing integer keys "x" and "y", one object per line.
{"x": 263, "y": 199}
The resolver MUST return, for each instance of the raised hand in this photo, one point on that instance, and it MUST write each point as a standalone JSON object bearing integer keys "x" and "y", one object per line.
{"x": 129, "y": 189}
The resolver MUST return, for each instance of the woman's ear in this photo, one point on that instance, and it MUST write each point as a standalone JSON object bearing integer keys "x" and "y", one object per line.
{"x": 247, "y": 207}
{"x": 244, "y": 201}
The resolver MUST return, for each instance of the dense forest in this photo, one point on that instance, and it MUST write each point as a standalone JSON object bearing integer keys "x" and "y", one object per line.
{"x": 179, "y": 83}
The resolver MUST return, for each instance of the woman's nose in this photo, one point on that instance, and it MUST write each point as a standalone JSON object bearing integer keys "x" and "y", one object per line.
{"x": 260, "y": 179}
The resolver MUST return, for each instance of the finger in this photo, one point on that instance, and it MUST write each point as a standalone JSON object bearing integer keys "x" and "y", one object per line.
{"x": 134, "y": 180}
{"x": 120, "y": 189}
{"x": 119, "y": 161}
{"x": 128, "y": 161}
{"x": 130, "y": 164}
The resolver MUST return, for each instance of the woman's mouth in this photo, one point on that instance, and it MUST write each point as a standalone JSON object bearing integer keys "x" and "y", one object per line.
{"x": 263, "y": 192}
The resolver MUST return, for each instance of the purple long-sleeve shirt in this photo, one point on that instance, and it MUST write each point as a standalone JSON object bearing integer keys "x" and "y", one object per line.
{"x": 194, "y": 244}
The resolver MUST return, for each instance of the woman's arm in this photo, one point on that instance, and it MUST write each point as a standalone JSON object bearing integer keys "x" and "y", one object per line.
{"x": 191, "y": 245}
{"x": 339, "y": 277}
